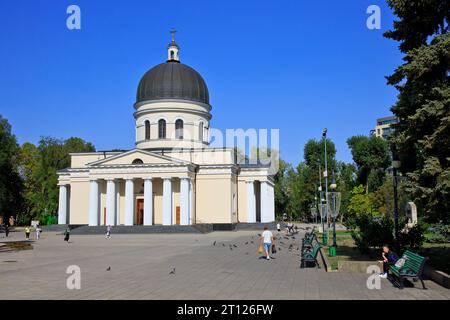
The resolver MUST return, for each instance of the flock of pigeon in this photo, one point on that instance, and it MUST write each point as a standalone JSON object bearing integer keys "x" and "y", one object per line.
{"x": 286, "y": 242}
{"x": 282, "y": 242}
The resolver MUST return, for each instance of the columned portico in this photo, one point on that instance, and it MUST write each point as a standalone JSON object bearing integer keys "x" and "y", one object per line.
{"x": 184, "y": 201}
{"x": 148, "y": 202}
{"x": 62, "y": 207}
{"x": 93, "y": 203}
{"x": 110, "y": 202}
{"x": 129, "y": 202}
{"x": 167, "y": 201}
{"x": 251, "y": 205}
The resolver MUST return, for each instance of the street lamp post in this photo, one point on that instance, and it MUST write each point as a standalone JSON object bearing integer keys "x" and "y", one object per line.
{"x": 395, "y": 166}
{"x": 324, "y": 136}
{"x": 333, "y": 213}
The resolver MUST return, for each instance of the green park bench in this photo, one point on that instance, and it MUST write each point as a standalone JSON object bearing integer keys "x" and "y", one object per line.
{"x": 308, "y": 240}
{"x": 413, "y": 268}
{"x": 310, "y": 255}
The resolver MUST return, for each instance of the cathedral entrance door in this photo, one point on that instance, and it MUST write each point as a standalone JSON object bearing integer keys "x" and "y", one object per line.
{"x": 177, "y": 215}
{"x": 140, "y": 212}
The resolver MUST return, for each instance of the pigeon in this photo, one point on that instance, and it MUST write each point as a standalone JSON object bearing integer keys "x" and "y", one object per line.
{"x": 246, "y": 243}
{"x": 108, "y": 269}
{"x": 282, "y": 242}
{"x": 214, "y": 243}
{"x": 251, "y": 241}
{"x": 223, "y": 244}
{"x": 235, "y": 246}
{"x": 172, "y": 271}
{"x": 259, "y": 234}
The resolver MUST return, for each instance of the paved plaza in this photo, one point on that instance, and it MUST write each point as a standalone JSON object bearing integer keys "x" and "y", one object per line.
{"x": 140, "y": 268}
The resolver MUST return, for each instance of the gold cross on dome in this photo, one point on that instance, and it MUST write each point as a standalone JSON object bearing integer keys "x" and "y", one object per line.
{"x": 172, "y": 32}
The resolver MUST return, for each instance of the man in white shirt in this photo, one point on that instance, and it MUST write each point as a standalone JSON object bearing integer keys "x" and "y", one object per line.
{"x": 267, "y": 240}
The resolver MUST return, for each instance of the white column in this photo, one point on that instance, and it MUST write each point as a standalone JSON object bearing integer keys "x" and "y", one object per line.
{"x": 117, "y": 216}
{"x": 191, "y": 203}
{"x": 184, "y": 201}
{"x": 93, "y": 203}
{"x": 148, "y": 202}
{"x": 129, "y": 202}
{"x": 271, "y": 212}
{"x": 167, "y": 201}
{"x": 62, "y": 207}
{"x": 265, "y": 203}
{"x": 110, "y": 202}
{"x": 251, "y": 205}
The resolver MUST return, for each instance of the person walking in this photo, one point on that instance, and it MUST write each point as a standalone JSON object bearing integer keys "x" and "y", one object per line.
{"x": 6, "y": 229}
{"x": 27, "y": 232}
{"x": 267, "y": 240}
{"x": 108, "y": 232}
{"x": 38, "y": 232}
{"x": 67, "y": 235}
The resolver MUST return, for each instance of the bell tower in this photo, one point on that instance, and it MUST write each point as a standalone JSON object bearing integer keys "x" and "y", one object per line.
{"x": 173, "y": 49}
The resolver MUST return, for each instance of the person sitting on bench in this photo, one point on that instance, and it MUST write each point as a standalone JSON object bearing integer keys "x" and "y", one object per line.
{"x": 389, "y": 257}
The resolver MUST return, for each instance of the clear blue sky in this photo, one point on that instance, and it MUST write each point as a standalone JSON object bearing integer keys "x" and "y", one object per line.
{"x": 294, "y": 65}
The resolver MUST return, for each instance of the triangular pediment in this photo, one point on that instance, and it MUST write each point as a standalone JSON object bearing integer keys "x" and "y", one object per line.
{"x": 132, "y": 157}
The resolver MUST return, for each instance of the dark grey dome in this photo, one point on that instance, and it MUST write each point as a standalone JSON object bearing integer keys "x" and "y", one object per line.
{"x": 172, "y": 80}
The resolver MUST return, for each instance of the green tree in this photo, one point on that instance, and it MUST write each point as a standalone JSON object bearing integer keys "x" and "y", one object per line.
{"x": 371, "y": 156}
{"x": 10, "y": 180}
{"x": 281, "y": 187}
{"x": 361, "y": 202}
{"x": 346, "y": 181}
{"x": 423, "y": 106}
{"x": 314, "y": 155}
{"x": 40, "y": 166}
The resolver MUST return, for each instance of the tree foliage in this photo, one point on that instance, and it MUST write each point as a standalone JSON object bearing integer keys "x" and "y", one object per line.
{"x": 10, "y": 180}
{"x": 371, "y": 156}
{"x": 423, "y": 106}
{"x": 40, "y": 165}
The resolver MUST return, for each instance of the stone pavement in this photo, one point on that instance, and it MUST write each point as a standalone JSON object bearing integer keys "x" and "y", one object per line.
{"x": 140, "y": 266}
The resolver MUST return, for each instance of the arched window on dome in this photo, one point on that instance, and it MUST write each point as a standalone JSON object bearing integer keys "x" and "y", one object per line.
{"x": 162, "y": 129}
{"x": 172, "y": 55}
{"x": 179, "y": 129}
{"x": 147, "y": 130}
{"x": 200, "y": 131}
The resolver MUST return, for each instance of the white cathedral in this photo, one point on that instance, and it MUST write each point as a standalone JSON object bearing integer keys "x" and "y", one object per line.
{"x": 172, "y": 176}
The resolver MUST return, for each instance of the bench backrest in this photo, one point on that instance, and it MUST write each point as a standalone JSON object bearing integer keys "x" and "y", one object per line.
{"x": 414, "y": 261}
{"x": 316, "y": 249}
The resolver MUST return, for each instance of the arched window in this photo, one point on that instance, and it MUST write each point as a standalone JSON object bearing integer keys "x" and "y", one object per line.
{"x": 147, "y": 130}
{"x": 172, "y": 55}
{"x": 162, "y": 129}
{"x": 200, "y": 131}
{"x": 137, "y": 161}
{"x": 179, "y": 129}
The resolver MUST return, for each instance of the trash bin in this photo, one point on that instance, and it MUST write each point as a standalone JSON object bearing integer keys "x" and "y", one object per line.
{"x": 332, "y": 251}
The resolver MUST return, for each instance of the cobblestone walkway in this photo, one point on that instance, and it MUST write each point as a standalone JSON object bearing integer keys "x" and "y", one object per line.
{"x": 140, "y": 268}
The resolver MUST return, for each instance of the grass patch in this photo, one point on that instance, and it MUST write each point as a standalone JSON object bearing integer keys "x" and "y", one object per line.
{"x": 16, "y": 246}
{"x": 439, "y": 253}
